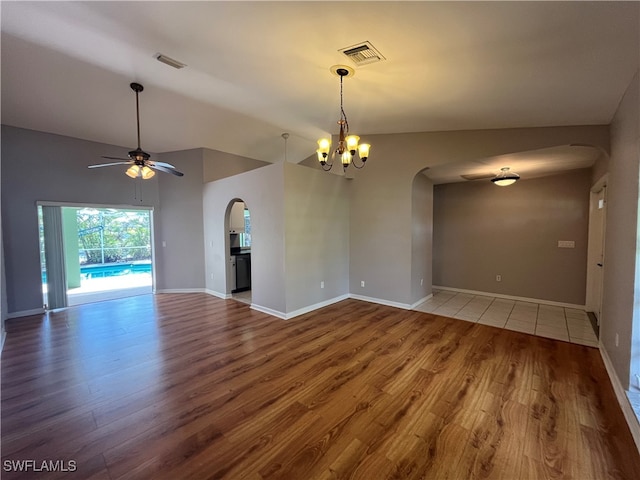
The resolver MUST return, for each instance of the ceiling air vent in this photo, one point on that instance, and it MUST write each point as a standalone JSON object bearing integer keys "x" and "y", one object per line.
{"x": 169, "y": 61}
{"x": 362, "y": 54}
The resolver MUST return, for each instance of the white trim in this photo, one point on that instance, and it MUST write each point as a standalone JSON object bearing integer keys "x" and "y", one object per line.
{"x": 26, "y": 313}
{"x": 422, "y": 300}
{"x": 600, "y": 183}
{"x": 124, "y": 206}
{"x": 315, "y": 306}
{"x": 625, "y": 405}
{"x": 381, "y": 301}
{"x": 511, "y": 297}
{"x": 224, "y": 296}
{"x": 182, "y": 290}
{"x": 269, "y": 311}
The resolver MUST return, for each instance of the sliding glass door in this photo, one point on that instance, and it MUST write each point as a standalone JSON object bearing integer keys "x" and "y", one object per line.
{"x": 91, "y": 253}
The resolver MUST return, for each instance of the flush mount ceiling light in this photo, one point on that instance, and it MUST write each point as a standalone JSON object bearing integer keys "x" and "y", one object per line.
{"x": 347, "y": 144}
{"x": 505, "y": 177}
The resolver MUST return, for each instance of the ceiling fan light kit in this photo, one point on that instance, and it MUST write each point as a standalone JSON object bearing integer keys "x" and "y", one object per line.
{"x": 140, "y": 164}
{"x": 505, "y": 177}
{"x": 348, "y": 145}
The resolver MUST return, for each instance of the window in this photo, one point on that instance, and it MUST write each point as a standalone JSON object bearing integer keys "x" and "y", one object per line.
{"x": 245, "y": 238}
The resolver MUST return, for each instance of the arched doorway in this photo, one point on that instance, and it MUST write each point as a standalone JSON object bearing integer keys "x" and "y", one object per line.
{"x": 239, "y": 251}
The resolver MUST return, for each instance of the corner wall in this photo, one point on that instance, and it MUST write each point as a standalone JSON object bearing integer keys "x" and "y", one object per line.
{"x": 316, "y": 237}
{"x": 263, "y": 192}
{"x": 39, "y": 166}
{"x": 381, "y": 218}
{"x": 621, "y": 295}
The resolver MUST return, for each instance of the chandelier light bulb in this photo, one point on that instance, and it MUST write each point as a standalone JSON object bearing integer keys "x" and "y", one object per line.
{"x": 133, "y": 171}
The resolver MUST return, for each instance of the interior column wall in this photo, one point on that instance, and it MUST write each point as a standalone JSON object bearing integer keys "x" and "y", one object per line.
{"x": 316, "y": 237}
{"x": 421, "y": 238}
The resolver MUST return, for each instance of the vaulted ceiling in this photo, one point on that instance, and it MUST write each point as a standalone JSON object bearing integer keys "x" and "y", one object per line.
{"x": 258, "y": 69}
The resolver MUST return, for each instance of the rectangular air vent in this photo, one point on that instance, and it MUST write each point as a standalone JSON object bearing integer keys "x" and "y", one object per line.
{"x": 169, "y": 61}
{"x": 362, "y": 54}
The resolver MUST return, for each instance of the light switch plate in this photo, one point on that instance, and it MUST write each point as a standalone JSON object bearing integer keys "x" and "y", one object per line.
{"x": 566, "y": 244}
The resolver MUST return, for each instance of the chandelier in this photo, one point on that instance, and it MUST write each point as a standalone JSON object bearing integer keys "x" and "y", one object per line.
{"x": 347, "y": 144}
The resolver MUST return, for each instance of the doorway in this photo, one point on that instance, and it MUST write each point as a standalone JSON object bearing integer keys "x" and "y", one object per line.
{"x": 239, "y": 251}
{"x": 91, "y": 254}
{"x": 595, "y": 251}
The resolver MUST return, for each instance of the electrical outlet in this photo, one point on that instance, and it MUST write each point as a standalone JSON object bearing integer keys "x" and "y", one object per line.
{"x": 498, "y": 278}
{"x": 362, "y": 283}
{"x": 421, "y": 281}
{"x": 637, "y": 380}
{"x": 617, "y": 340}
{"x": 322, "y": 284}
{"x": 212, "y": 276}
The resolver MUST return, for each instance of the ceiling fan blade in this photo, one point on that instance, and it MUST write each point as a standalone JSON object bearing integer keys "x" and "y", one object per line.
{"x": 117, "y": 158}
{"x": 110, "y": 164}
{"x": 167, "y": 170}
{"x": 161, "y": 164}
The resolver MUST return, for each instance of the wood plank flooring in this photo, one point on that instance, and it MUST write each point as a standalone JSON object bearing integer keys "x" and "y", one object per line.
{"x": 189, "y": 386}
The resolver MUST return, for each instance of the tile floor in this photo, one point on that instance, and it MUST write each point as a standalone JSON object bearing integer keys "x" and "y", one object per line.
{"x": 560, "y": 323}
{"x": 244, "y": 297}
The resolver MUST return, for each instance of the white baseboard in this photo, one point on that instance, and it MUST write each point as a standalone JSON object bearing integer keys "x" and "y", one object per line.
{"x": 26, "y": 313}
{"x": 422, "y": 300}
{"x": 381, "y": 301}
{"x": 269, "y": 311}
{"x": 315, "y": 306}
{"x": 224, "y": 296}
{"x": 181, "y": 290}
{"x": 511, "y": 297}
{"x": 625, "y": 405}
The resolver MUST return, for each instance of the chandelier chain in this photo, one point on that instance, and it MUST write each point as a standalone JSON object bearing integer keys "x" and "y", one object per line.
{"x": 343, "y": 115}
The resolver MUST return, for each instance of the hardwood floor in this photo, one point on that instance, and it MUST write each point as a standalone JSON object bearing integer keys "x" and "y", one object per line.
{"x": 189, "y": 386}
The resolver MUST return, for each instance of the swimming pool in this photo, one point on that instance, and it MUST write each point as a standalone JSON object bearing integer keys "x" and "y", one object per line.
{"x": 110, "y": 270}
{"x": 114, "y": 270}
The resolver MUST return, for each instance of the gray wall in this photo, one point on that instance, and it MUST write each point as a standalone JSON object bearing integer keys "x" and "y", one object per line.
{"x": 482, "y": 230}
{"x": 316, "y": 236}
{"x": 621, "y": 295}
{"x": 299, "y": 232}
{"x": 219, "y": 165}
{"x": 46, "y": 167}
{"x": 381, "y": 215}
{"x": 179, "y": 240}
{"x": 262, "y": 190}
{"x": 421, "y": 238}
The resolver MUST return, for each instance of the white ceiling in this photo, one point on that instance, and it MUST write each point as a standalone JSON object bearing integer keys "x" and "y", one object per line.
{"x": 258, "y": 69}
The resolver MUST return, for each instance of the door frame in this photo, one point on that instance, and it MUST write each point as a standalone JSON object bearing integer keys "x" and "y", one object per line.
{"x": 41, "y": 203}
{"x": 594, "y": 256}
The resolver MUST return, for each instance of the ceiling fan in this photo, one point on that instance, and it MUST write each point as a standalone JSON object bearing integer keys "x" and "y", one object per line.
{"x": 141, "y": 166}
